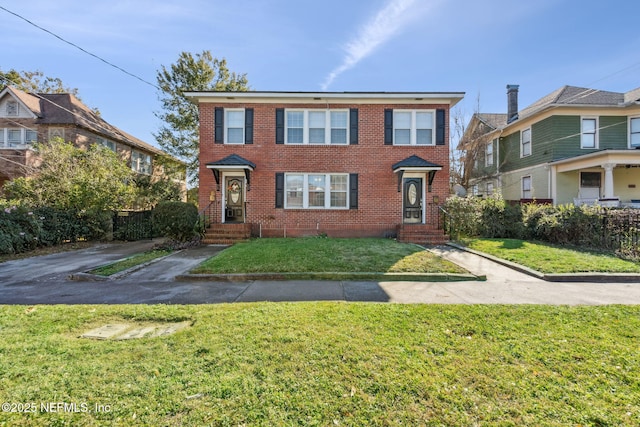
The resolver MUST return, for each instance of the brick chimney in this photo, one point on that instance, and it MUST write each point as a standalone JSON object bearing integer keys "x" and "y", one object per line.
{"x": 512, "y": 103}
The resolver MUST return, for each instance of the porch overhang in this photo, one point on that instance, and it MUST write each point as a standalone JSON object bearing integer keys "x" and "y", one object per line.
{"x": 598, "y": 159}
{"x": 232, "y": 162}
{"x": 415, "y": 164}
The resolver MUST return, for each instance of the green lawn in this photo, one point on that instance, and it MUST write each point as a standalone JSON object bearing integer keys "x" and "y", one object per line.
{"x": 325, "y": 364}
{"x": 312, "y": 254}
{"x": 547, "y": 258}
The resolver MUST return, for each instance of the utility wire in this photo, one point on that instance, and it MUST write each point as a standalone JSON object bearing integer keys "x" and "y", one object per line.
{"x": 80, "y": 48}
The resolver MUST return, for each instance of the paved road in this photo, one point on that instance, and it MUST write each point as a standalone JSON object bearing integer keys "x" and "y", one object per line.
{"x": 44, "y": 280}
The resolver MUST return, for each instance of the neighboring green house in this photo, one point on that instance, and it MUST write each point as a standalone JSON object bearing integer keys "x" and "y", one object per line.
{"x": 574, "y": 145}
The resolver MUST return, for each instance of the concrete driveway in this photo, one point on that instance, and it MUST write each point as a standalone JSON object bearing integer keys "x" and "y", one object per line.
{"x": 44, "y": 280}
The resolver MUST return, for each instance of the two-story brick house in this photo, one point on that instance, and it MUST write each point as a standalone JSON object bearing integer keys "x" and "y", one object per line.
{"x": 341, "y": 164}
{"x": 28, "y": 118}
{"x": 574, "y": 145}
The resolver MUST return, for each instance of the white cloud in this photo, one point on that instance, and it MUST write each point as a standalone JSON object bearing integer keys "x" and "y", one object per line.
{"x": 384, "y": 25}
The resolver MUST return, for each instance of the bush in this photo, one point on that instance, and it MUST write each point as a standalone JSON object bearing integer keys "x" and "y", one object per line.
{"x": 176, "y": 220}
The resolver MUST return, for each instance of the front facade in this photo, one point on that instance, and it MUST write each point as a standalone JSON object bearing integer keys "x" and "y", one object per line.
{"x": 340, "y": 164}
{"x": 29, "y": 118}
{"x": 575, "y": 145}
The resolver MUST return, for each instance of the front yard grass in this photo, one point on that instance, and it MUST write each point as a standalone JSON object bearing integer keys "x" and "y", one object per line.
{"x": 312, "y": 254}
{"x": 345, "y": 364}
{"x": 550, "y": 259}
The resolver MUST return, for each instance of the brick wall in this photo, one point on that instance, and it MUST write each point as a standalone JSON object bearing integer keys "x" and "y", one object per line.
{"x": 380, "y": 203}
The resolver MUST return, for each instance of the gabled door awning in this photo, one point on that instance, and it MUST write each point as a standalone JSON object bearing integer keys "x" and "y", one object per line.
{"x": 231, "y": 163}
{"x": 415, "y": 164}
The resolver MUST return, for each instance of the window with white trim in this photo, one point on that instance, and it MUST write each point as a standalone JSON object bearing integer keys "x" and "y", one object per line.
{"x": 18, "y": 137}
{"x": 107, "y": 143}
{"x": 489, "y": 188}
{"x": 589, "y": 132}
{"x": 525, "y": 143}
{"x": 488, "y": 154}
{"x": 140, "y": 162}
{"x": 413, "y": 127}
{"x": 526, "y": 187}
{"x": 234, "y": 126}
{"x": 316, "y": 191}
{"x": 634, "y": 132}
{"x": 317, "y": 127}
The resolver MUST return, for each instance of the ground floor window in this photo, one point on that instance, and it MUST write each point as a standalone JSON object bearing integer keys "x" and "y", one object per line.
{"x": 316, "y": 191}
{"x": 526, "y": 187}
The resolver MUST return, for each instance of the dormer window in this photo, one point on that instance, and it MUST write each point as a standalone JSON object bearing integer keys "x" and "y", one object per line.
{"x": 12, "y": 109}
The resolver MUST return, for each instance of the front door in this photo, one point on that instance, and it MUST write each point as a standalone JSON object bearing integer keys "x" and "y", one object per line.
{"x": 412, "y": 201}
{"x": 234, "y": 199}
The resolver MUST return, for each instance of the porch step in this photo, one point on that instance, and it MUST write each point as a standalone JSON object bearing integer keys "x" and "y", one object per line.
{"x": 421, "y": 234}
{"x": 226, "y": 234}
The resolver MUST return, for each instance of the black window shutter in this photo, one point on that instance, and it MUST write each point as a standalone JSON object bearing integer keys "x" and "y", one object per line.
{"x": 218, "y": 118}
{"x": 279, "y": 190}
{"x": 388, "y": 127}
{"x": 353, "y": 191}
{"x": 353, "y": 126}
{"x": 248, "y": 126}
{"x": 440, "y": 127}
{"x": 279, "y": 125}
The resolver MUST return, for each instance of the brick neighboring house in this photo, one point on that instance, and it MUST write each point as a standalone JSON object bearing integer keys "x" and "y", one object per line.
{"x": 342, "y": 164}
{"x": 27, "y": 118}
{"x": 574, "y": 145}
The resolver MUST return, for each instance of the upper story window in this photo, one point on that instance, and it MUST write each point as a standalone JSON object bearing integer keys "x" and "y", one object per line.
{"x": 107, "y": 143}
{"x": 140, "y": 162}
{"x": 12, "y": 109}
{"x": 413, "y": 127}
{"x": 634, "y": 132}
{"x": 234, "y": 126}
{"x": 18, "y": 137}
{"x": 525, "y": 143}
{"x": 589, "y": 132}
{"x": 316, "y": 127}
{"x": 488, "y": 154}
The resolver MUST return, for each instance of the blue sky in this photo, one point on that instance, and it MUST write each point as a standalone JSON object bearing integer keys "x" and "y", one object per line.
{"x": 472, "y": 46}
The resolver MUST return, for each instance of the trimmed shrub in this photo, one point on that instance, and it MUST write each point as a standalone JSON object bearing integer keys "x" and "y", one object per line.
{"x": 176, "y": 220}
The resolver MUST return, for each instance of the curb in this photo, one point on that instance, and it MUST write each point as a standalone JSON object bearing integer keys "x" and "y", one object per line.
{"x": 557, "y": 277}
{"x": 380, "y": 277}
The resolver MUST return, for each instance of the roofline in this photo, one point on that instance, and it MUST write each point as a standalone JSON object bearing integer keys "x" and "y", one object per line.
{"x": 592, "y": 154}
{"x": 202, "y": 96}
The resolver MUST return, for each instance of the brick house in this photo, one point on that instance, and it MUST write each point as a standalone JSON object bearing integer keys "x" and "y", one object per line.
{"x": 340, "y": 164}
{"x": 27, "y": 118}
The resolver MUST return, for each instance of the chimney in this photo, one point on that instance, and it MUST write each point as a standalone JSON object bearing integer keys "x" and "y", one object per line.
{"x": 512, "y": 103}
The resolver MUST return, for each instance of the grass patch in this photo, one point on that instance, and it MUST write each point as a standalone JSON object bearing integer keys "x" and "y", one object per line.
{"x": 132, "y": 261}
{"x": 294, "y": 255}
{"x": 550, "y": 259}
{"x": 328, "y": 364}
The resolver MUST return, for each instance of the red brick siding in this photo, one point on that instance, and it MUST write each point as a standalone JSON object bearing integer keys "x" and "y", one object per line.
{"x": 380, "y": 203}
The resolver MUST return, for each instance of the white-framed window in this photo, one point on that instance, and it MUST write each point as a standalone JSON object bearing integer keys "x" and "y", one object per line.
{"x": 588, "y": 132}
{"x": 634, "y": 132}
{"x": 234, "y": 126}
{"x": 17, "y": 137}
{"x": 107, "y": 143}
{"x": 413, "y": 127}
{"x": 140, "y": 162}
{"x": 489, "y": 188}
{"x": 316, "y": 191}
{"x": 525, "y": 143}
{"x": 488, "y": 154}
{"x": 526, "y": 187}
{"x": 317, "y": 126}
{"x": 12, "y": 109}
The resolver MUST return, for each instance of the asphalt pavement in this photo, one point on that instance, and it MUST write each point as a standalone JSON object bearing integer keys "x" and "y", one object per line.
{"x": 46, "y": 280}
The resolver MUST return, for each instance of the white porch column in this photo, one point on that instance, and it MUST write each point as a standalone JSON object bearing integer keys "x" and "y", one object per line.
{"x": 608, "y": 180}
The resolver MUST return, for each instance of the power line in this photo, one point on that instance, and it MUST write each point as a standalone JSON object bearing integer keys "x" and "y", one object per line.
{"x": 80, "y": 48}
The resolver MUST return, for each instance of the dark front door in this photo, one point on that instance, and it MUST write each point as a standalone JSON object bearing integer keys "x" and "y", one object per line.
{"x": 412, "y": 201}
{"x": 234, "y": 199}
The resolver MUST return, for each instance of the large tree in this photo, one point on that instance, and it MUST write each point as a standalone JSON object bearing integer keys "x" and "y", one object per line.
{"x": 35, "y": 82}
{"x": 179, "y": 134}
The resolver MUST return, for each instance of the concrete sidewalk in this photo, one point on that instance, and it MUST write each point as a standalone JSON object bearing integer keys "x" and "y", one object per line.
{"x": 43, "y": 280}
